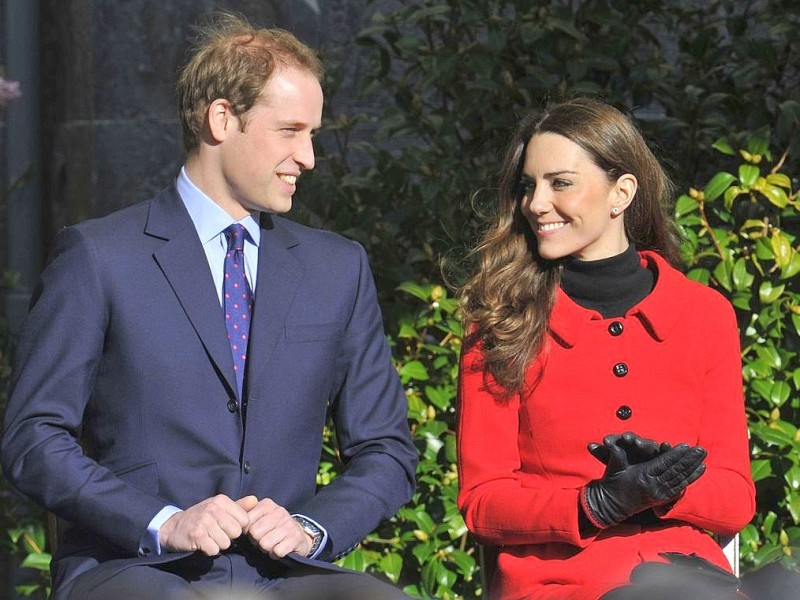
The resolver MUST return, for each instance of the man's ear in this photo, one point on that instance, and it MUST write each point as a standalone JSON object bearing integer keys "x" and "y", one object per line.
{"x": 221, "y": 119}
{"x": 623, "y": 193}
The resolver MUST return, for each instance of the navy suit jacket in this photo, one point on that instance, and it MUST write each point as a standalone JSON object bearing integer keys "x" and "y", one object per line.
{"x": 123, "y": 396}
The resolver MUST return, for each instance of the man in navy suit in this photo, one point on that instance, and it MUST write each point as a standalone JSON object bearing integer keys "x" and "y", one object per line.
{"x": 181, "y": 445}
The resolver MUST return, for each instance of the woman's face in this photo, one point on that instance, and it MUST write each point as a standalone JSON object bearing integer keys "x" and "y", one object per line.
{"x": 569, "y": 203}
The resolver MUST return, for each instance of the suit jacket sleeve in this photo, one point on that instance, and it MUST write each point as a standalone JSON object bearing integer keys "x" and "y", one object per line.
{"x": 55, "y": 364}
{"x": 370, "y": 413}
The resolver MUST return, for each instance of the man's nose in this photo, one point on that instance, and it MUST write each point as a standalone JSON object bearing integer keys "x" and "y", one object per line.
{"x": 304, "y": 156}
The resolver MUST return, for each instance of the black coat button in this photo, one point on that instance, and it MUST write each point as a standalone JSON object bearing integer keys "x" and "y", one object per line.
{"x": 232, "y": 405}
{"x": 615, "y": 328}
{"x": 620, "y": 369}
{"x": 624, "y": 412}
{"x": 247, "y": 467}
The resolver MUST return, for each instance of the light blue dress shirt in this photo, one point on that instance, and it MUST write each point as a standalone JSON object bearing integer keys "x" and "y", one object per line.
{"x": 211, "y": 221}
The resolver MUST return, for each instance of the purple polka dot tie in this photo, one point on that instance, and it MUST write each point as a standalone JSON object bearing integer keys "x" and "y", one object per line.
{"x": 237, "y": 300}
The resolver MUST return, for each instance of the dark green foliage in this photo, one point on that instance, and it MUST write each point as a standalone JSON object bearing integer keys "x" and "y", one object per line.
{"x": 740, "y": 233}
{"x": 455, "y": 76}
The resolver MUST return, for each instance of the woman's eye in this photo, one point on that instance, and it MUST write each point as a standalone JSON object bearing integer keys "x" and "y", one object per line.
{"x": 526, "y": 186}
{"x": 560, "y": 183}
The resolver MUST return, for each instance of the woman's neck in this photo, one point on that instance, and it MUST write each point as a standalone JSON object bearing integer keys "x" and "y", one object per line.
{"x": 611, "y": 286}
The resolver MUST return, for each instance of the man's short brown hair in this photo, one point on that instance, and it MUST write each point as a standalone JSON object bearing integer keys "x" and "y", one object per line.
{"x": 234, "y": 60}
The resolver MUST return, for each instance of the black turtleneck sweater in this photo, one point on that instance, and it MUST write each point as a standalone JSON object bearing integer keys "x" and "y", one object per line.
{"x": 610, "y": 286}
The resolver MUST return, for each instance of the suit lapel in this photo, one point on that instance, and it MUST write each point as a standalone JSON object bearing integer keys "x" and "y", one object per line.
{"x": 184, "y": 264}
{"x": 279, "y": 276}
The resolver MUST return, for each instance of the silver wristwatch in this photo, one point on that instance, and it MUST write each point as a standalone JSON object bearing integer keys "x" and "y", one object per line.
{"x": 311, "y": 529}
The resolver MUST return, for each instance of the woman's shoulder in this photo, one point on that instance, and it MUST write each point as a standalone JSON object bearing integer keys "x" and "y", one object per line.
{"x": 685, "y": 299}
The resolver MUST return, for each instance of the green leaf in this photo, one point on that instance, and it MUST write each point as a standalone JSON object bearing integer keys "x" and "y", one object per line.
{"x": 775, "y": 195}
{"x": 407, "y": 331}
{"x": 762, "y": 387}
{"x": 748, "y": 175}
{"x": 794, "y": 507}
{"x": 432, "y": 446}
{"x": 724, "y": 146}
{"x": 717, "y": 186}
{"x": 780, "y": 180}
{"x": 37, "y": 560}
{"x": 27, "y": 590}
{"x": 741, "y": 278}
{"x": 792, "y": 267}
{"x": 465, "y": 562}
{"x": 758, "y": 143}
{"x": 423, "y": 293}
{"x": 767, "y": 554}
{"x": 770, "y": 355}
{"x": 760, "y": 469}
{"x": 769, "y": 523}
{"x": 413, "y": 370}
{"x": 793, "y": 477}
{"x": 391, "y": 565}
{"x": 701, "y": 275}
{"x": 684, "y": 205}
{"x": 438, "y": 396}
{"x": 767, "y": 293}
{"x": 731, "y": 194}
{"x": 779, "y": 393}
{"x": 722, "y": 273}
{"x": 772, "y": 436}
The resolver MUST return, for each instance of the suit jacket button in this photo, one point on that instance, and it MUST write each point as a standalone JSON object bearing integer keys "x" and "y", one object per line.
{"x": 246, "y": 467}
{"x": 624, "y": 412}
{"x": 232, "y": 405}
{"x": 615, "y": 328}
{"x": 620, "y": 369}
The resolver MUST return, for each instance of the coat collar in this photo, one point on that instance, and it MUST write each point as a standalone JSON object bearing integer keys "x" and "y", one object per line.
{"x": 183, "y": 262}
{"x": 657, "y": 311}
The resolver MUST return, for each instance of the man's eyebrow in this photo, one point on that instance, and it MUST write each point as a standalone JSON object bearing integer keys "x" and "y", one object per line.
{"x": 296, "y": 123}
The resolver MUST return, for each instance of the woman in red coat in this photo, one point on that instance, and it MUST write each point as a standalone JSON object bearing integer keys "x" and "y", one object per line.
{"x": 601, "y": 415}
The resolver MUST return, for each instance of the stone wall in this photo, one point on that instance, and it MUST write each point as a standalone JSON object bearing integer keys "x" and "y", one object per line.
{"x": 111, "y": 136}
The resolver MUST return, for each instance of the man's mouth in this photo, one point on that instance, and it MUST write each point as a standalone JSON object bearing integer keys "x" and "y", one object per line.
{"x": 290, "y": 179}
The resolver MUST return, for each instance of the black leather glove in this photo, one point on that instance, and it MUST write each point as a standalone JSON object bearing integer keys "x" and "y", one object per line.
{"x": 628, "y": 489}
{"x": 637, "y": 449}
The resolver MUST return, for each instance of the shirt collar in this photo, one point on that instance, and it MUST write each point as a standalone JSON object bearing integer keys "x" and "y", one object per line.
{"x": 658, "y": 311}
{"x": 208, "y": 217}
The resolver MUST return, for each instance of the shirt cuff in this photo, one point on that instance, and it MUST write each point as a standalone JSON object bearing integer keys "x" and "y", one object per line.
{"x": 323, "y": 542}
{"x": 150, "y": 544}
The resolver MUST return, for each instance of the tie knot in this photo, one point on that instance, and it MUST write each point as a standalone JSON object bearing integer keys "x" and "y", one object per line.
{"x": 236, "y": 234}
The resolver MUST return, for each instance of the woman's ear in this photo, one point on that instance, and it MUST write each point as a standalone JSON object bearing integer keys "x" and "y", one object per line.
{"x": 623, "y": 193}
{"x": 220, "y": 119}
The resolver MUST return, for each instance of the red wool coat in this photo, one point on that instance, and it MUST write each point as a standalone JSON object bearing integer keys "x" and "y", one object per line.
{"x": 669, "y": 370}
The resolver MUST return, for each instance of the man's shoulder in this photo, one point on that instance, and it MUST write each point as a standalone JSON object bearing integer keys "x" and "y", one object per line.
{"x": 122, "y": 221}
{"x": 320, "y": 240}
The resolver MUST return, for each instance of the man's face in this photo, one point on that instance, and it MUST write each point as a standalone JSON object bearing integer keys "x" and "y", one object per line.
{"x": 260, "y": 165}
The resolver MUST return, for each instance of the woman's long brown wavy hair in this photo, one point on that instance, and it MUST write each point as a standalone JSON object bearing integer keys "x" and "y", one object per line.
{"x": 506, "y": 304}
